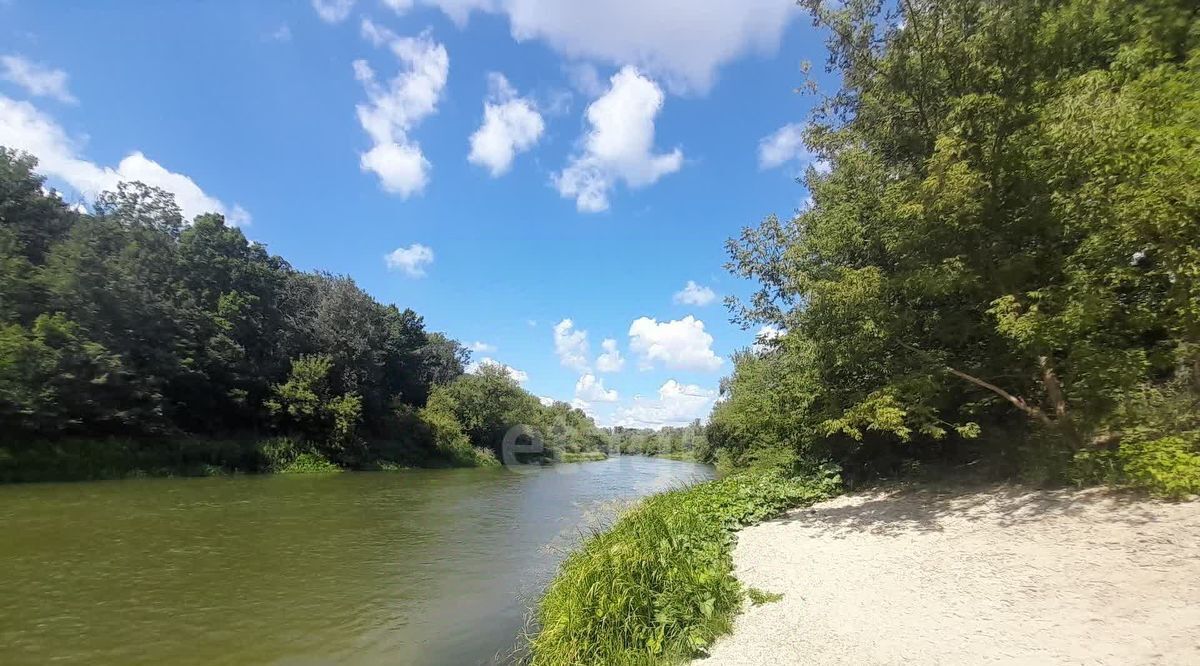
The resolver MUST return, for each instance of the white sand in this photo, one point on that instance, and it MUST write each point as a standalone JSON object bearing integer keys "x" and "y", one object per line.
{"x": 994, "y": 575}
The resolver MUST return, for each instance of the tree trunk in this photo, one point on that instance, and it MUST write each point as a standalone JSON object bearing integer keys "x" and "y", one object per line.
{"x": 1062, "y": 420}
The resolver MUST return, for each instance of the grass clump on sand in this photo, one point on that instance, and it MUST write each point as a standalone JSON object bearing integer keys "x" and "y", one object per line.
{"x": 759, "y": 597}
{"x": 658, "y": 587}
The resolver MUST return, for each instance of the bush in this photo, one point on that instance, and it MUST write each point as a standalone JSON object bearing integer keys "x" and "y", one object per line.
{"x": 1166, "y": 467}
{"x": 658, "y": 586}
{"x": 310, "y": 463}
{"x": 277, "y": 453}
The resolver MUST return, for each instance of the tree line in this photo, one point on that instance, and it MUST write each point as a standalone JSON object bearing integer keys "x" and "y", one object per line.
{"x": 127, "y": 331}
{"x": 1000, "y": 252}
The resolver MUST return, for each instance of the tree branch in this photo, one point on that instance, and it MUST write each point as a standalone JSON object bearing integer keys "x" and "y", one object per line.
{"x": 1018, "y": 402}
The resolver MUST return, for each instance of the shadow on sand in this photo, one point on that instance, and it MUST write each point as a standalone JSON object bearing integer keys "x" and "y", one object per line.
{"x": 899, "y": 509}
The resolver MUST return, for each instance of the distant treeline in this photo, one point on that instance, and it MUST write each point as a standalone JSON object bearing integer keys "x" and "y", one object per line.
{"x": 1001, "y": 252}
{"x": 669, "y": 441}
{"x": 127, "y": 330}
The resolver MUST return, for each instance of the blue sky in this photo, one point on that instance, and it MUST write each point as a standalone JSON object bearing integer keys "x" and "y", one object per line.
{"x": 499, "y": 166}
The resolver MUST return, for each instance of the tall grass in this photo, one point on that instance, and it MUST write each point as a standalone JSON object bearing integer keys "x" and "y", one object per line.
{"x": 658, "y": 587}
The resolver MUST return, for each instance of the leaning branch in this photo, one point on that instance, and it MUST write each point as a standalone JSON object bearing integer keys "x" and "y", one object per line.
{"x": 1019, "y": 403}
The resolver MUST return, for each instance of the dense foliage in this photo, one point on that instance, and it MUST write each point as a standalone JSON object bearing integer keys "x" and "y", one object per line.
{"x": 1002, "y": 241}
{"x": 658, "y": 586}
{"x": 128, "y": 332}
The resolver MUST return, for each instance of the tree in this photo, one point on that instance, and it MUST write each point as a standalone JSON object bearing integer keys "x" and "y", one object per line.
{"x": 308, "y": 405}
{"x": 1005, "y": 231}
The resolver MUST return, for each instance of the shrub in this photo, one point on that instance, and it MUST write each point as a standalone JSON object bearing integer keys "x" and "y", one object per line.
{"x": 310, "y": 463}
{"x": 277, "y": 453}
{"x": 1166, "y": 467}
{"x": 658, "y": 586}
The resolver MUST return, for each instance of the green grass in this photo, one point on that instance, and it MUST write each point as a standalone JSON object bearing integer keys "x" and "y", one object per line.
{"x": 310, "y": 463}
{"x": 680, "y": 455}
{"x": 759, "y": 597}
{"x": 582, "y": 456}
{"x": 658, "y": 586}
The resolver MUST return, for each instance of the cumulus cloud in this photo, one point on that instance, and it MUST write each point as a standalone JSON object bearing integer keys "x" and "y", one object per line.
{"x": 681, "y": 344}
{"x": 610, "y": 360}
{"x": 333, "y": 11}
{"x": 38, "y": 80}
{"x": 694, "y": 294}
{"x": 393, "y": 109}
{"x": 583, "y": 406}
{"x": 24, "y": 127}
{"x": 677, "y": 404}
{"x": 412, "y": 259}
{"x": 546, "y": 400}
{"x": 571, "y": 346}
{"x": 682, "y": 41}
{"x": 619, "y": 147}
{"x": 589, "y": 388}
{"x": 481, "y": 347}
{"x": 783, "y": 145}
{"x": 511, "y": 125}
{"x": 765, "y": 337}
{"x": 518, "y": 376}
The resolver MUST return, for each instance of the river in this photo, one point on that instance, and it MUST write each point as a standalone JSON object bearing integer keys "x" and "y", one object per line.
{"x": 410, "y": 567}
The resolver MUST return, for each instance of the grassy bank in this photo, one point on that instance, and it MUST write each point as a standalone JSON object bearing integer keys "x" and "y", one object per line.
{"x": 658, "y": 587}
{"x": 581, "y": 456}
{"x": 687, "y": 456}
{"x": 84, "y": 459}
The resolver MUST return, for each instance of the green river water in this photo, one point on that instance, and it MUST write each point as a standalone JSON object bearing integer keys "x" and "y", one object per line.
{"x": 411, "y": 567}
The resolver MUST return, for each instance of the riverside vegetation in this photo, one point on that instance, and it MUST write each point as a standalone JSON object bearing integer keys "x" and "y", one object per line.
{"x": 998, "y": 264}
{"x": 134, "y": 343}
{"x": 997, "y": 268}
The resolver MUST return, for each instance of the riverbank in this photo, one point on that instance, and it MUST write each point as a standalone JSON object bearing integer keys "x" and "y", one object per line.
{"x": 581, "y": 456}
{"x": 658, "y": 585}
{"x": 967, "y": 575}
{"x": 81, "y": 459}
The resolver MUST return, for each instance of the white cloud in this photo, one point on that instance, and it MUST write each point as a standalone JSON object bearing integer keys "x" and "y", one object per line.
{"x": 281, "y": 34}
{"x": 37, "y": 80}
{"x": 24, "y": 127}
{"x": 585, "y": 78}
{"x": 682, "y": 41}
{"x": 584, "y": 406}
{"x": 518, "y": 376}
{"x": 511, "y": 125}
{"x": 591, "y": 389}
{"x": 681, "y": 344}
{"x": 611, "y": 360}
{"x": 394, "y": 109}
{"x": 571, "y": 345}
{"x": 412, "y": 259}
{"x": 677, "y": 405}
{"x": 619, "y": 146}
{"x": 694, "y": 294}
{"x": 481, "y": 347}
{"x": 546, "y": 400}
{"x": 333, "y": 11}
{"x": 784, "y": 145}
{"x": 765, "y": 337}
